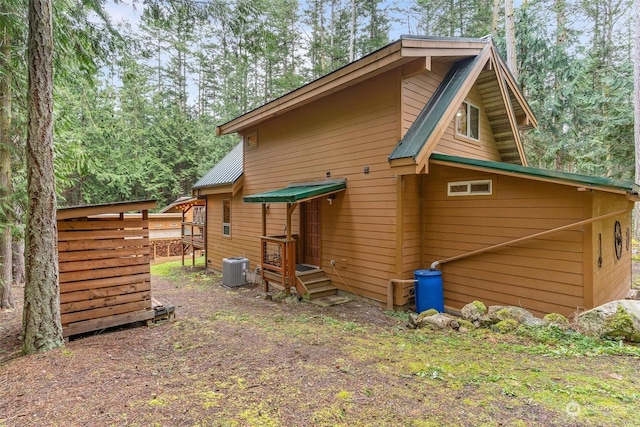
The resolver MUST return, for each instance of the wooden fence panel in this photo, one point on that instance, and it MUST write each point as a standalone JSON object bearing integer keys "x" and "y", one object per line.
{"x": 105, "y": 276}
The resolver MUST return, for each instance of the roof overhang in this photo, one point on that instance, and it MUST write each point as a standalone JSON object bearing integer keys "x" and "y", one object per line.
{"x": 630, "y": 189}
{"x": 227, "y": 188}
{"x": 398, "y": 53}
{"x": 411, "y": 155}
{"x": 183, "y": 203}
{"x": 299, "y": 192}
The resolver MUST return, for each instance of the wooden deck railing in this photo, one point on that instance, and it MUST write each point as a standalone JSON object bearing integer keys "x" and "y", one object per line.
{"x": 193, "y": 236}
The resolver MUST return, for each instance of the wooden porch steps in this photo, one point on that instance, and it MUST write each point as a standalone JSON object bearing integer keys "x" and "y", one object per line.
{"x": 317, "y": 283}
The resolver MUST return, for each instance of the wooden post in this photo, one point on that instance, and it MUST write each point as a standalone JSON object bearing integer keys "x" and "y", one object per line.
{"x": 289, "y": 213}
{"x": 264, "y": 219}
{"x": 182, "y": 237}
{"x": 290, "y": 266}
{"x": 205, "y": 233}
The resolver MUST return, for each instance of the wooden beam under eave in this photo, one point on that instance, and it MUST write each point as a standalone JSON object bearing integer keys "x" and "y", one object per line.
{"x": 404, "y": 170}
{"x": 237, "y": 186}
{"x": 415, "y": 67}
{"x": 221, "y": 189}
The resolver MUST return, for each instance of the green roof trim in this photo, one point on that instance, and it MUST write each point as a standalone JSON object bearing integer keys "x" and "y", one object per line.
{"x": 565, "y": 177}
{"x": 294, "y": 193}
{"x": 424, "y": 125}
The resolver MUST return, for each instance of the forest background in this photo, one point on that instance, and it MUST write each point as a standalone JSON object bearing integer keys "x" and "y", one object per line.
{"x": 136, "y": 106}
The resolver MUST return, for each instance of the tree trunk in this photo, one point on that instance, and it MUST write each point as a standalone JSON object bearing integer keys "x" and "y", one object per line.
{"x": 17, "y": 249}
{"x": 495, "y": 17}
{"x": 6, "y": 300}
{"x": 41, "y": 320}
{"x": 352, "y": 32}
{"x": 510, "y": 38}
{"x": 636, "y": 99}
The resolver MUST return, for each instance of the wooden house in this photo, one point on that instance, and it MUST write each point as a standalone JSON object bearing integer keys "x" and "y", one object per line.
{"x": 104, "y": 266}
{"x": 407, "y": 159}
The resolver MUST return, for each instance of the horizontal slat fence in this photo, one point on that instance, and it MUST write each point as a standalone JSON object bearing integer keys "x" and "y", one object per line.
{"x": 105, "y": 276}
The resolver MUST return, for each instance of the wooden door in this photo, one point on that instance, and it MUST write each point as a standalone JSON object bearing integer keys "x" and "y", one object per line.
{"x": 310, "y": 238}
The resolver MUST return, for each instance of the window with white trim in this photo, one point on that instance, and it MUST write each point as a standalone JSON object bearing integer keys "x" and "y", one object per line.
{"x": 470, "y": 188}
{"x": 226, "y": 218}
{"x": 468, "y": 121}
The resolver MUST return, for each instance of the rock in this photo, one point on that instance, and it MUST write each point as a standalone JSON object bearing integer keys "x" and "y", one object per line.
{"x": 465, "y": 326}
{"x": 434, "y": 319}
{"x": 555, "y": 319}
{"x": 427, "y": 313}
{"x": 633, "y": 294}
{"x": 533, "y": 321}
{"x": 619, "y": 320}
{"x": 505, "y": 326}
{"x": 413, "y": 321}
{"x": 440, "y": 321}
{"x": 497, "y": 313}
{"x": 473, "y": 311}
{"x": 292, "y": 299}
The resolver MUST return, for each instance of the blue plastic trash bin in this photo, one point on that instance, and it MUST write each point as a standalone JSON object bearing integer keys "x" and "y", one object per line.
{"x": 428, "y": 290}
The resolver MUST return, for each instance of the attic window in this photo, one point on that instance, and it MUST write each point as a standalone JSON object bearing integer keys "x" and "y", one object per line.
{"x": 468, "y": 121}
{"x": 251, "y": 141}
{"x": 470, "y": 188}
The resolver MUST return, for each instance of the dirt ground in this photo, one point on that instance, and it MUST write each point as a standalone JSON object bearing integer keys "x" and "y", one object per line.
{"x": 114, "y": 377}
{"x": 233, "y": 358}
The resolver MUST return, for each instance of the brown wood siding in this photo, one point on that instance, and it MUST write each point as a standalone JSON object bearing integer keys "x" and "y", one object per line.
{"x": 246, "y": 229}
{"x": 543, "y": 275}
{"x": 416, "y": 91}
{"x": 612, "y": 281}
{"x": 104, "y": 273}
{"x": 409, "y": 258}
{"x": 485, "y": 148}
{"x": 340, "y": 134}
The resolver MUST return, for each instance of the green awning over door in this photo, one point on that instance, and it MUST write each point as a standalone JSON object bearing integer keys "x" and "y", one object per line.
{"x": 294, "y": 193}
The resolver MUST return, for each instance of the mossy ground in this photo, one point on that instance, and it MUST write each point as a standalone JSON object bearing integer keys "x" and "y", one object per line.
{"x": 232, "y": 358}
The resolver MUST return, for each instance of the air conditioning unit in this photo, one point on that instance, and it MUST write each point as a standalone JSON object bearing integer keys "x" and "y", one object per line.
{"x": 234, "y": 271}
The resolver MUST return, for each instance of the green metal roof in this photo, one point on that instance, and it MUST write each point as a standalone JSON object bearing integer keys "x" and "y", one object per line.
{"x": 564, "y": 177}
{"x": 298, "y": 192}
{"x": 423, "y": 126}
{"x": 226, "y": 171}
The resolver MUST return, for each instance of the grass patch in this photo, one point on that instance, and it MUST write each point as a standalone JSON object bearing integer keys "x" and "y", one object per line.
{"x": 173, "y": 268}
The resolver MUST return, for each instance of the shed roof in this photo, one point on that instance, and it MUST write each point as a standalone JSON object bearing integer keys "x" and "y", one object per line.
{"x": 395, "y": 54}
{"x": 182, "y": 203}
{"x": 578, "y": 180}
{"x": 225, "y": 172}
{"x": 299, "y": 192}
{"x": 104, "y": 208}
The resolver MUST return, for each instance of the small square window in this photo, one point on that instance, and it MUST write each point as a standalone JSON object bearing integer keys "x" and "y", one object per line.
{"x": 251, "y": 141}
{"x": 226, "y": 217}
{"x": 468, "y": 121}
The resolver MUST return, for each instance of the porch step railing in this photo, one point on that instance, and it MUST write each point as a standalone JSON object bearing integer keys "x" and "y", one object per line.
{"x": 278, "y": 263}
